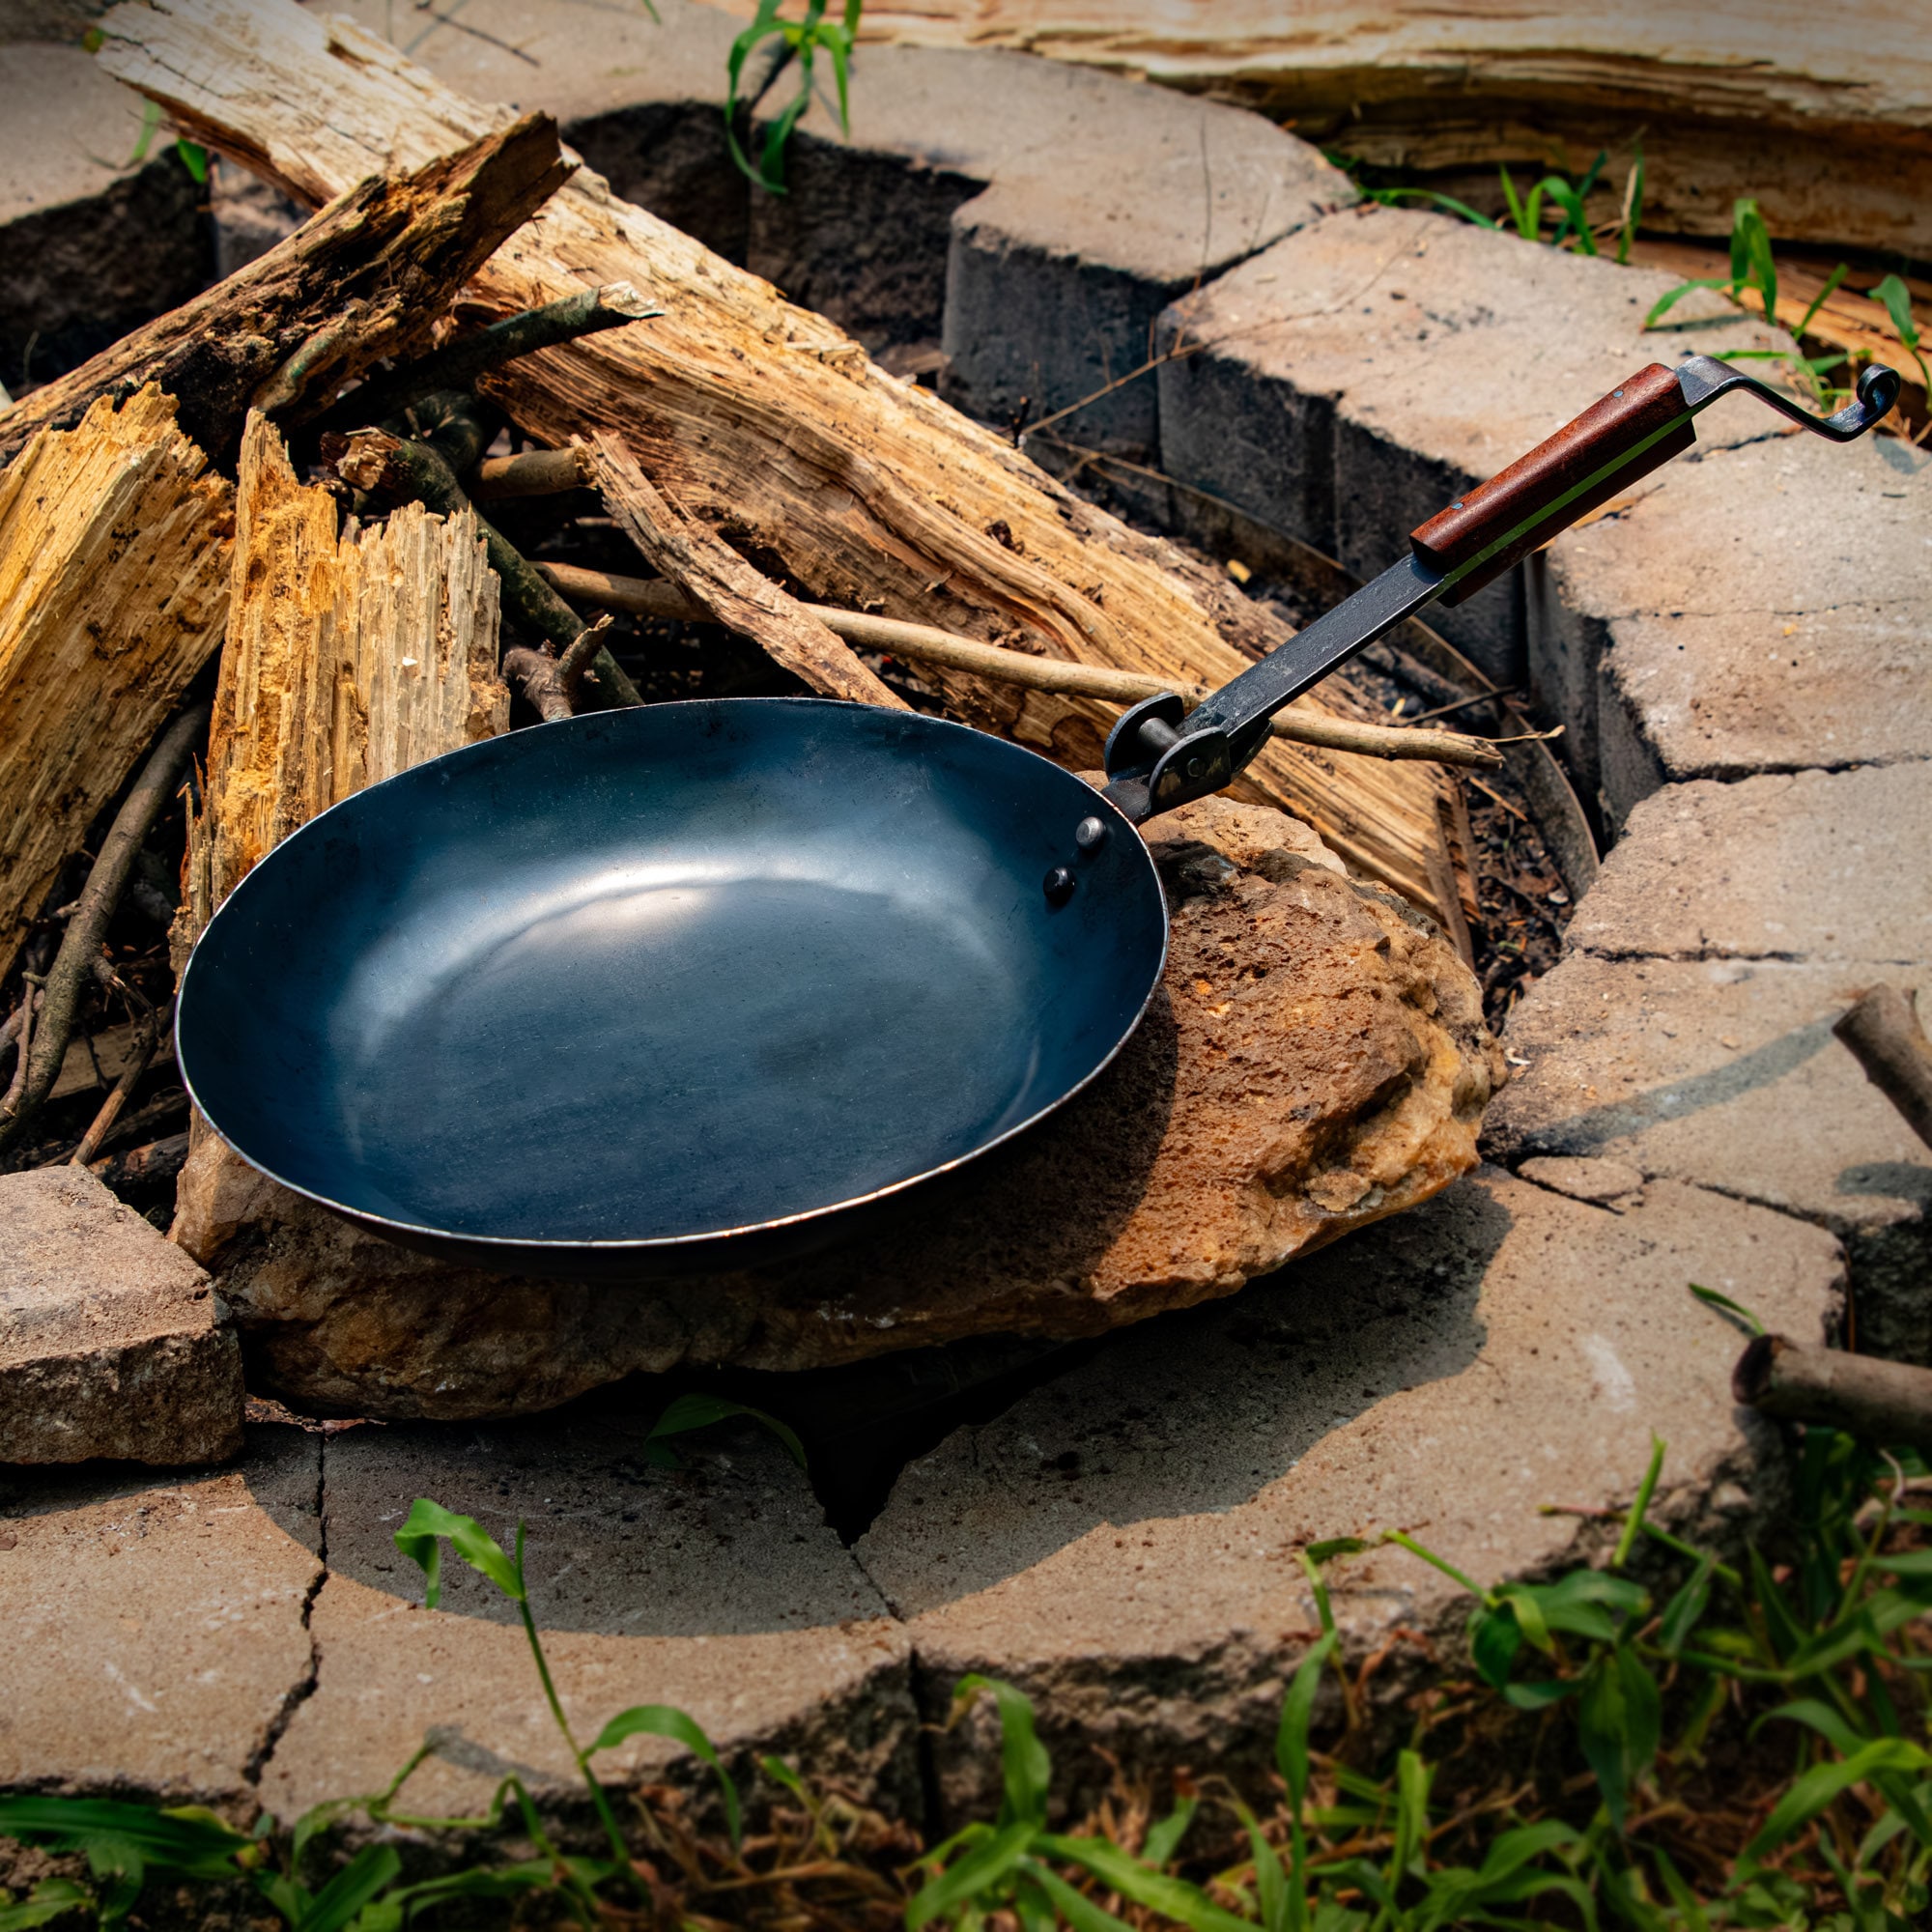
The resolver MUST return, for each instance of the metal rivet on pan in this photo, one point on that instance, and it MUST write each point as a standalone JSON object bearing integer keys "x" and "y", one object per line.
{"x": 1058, "y": 885}
{"x": 1196, "y": 766}
{"x": 1090, "y": 834}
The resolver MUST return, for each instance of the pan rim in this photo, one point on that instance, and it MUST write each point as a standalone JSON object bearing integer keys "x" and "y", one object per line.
{"x": 512, "y": 1245}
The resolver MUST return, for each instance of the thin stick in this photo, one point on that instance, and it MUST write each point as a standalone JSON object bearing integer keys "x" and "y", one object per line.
{"x": 374, "y": 460}
{"x": 158, "y": 1161}
{"x": 458, "y": 365}
{"x": 536, "y": 472}
{"x": 30, "y": 998}
{"x": 1883, "y": 1030}
{"x": 720, "y": 583}
{"x": 1887, "y": 1403}
{"x": 922, "y": 643}
{"x": 80, "y": 947}
{"x": 100, "y": 1126}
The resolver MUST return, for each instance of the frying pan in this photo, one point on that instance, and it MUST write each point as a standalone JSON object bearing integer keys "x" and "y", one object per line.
{"x": 703, "y": 985}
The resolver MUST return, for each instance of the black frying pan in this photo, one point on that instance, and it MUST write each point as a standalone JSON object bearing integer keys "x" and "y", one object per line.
{"x": 700, "y": 985}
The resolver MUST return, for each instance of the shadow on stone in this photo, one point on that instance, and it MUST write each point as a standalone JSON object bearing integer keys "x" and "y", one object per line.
{"x": 1194, "y": 1413}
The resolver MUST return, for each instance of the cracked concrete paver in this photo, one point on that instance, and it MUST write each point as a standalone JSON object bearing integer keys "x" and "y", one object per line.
{"x": 1123, "y": 1543}
{"x": 1809, "y": 865}
{"x": 718, "y": 1588}
{"x": 1725, "y": 1073}
{"x": 154, "y": 1626}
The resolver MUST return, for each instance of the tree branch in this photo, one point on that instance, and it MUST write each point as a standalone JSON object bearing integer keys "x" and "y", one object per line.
{"x": 80, "y": 947}
{"x": 1883, "y": 1030}
{"x": 922, "y": 643}
{"x": 1887, "y": 1403}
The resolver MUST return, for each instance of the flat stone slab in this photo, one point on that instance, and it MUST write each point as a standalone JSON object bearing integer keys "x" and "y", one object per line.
{"x": 718, "y": 1588}
{"x": 1123, "y": 1543}
{"x": 1315, "y": 1059}
{"x": 1725, "y": 1073}
{"x": 1349, "y": 380}
{"x": 154, "y": 1626}
{"x": 1811, "y": 866}
{"x": 112, "y": 1341}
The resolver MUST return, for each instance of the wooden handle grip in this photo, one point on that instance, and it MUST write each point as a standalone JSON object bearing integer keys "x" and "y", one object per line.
{"x": 1639, "y": 407}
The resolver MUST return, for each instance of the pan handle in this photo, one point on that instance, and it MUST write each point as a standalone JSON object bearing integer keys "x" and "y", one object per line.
{"x": 1159, "y": 758}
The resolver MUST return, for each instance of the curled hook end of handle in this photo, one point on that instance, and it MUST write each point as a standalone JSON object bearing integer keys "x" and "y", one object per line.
{"x": 1878, "y": 392}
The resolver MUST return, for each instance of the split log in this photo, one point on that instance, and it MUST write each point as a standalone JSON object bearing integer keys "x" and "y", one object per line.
{"x": 769, "y": 424}
{"x": 709, "y": 571}
{"x": 368, "y": 277}
{"x": 921, "y": 645}
{"x": 1890, "y": 1404}
{"x": 1882, "y": 1029}
{"x": 1831, "y": 130}
{"x": 349, "y": 658}
{"x": 113, "y": 586}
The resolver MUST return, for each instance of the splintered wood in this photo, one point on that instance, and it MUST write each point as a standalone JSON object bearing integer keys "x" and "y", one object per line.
{"x": 348, "y": 659}
{"x": 113, "y": 586}
{"x": 770, "y": 425}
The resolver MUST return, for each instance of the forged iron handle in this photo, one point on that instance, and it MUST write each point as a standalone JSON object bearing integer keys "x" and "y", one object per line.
{"x": 1157, "y": 757}
{"x": 1639, "y": 427}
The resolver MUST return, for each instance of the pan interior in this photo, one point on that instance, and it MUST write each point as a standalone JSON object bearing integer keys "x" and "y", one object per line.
{"x": 668, "y": 972}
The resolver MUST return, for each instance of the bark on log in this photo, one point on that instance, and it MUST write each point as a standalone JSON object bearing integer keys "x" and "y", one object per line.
{"x": 367, "y": 277}
{"x": 348, "y": 659}
{"x": 113, "y": 586}
{"x": 1830, "y": 130}
{"x": 768, "y": 423}
{"x": 739, "y": 597}
{"x": 1881, "y": 1029}
{"x": 1890, "y": 1404}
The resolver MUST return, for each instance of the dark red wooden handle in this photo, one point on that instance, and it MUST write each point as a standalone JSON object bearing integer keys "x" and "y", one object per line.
{"x": 1646, "y": 403}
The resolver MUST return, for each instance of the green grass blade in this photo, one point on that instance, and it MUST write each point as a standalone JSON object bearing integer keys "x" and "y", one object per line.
{"x": 52, "y": 1899}
{"x": 372, "y": 1870}
{"x": 977, "y": 1873}
{"x": 667, "y": 1721}
{"x": 1163, "y": 1839}
{"x": 420, "y": 1539}
{"x": 1807, "y": 1796}
{"x": 1646, "y": 1489}
{"x": 1136, "y": 1878}
{"x": 1071, "y": 1906}
{"x": 1708, "y": 1297}
{"x": 1290, "y": 1739}
{"x": 1026, "y": 1770}
{"x": 1824, "y": 295}
{"x": 702, "y": 1411}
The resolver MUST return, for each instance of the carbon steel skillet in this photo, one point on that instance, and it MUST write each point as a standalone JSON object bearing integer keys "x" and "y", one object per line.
{"x": 703, "y": 986}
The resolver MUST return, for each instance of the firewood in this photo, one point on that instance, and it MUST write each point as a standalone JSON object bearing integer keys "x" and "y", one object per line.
{"x": 79, "y": 953}
{"x": 921, "y": 645}
{"x": 399, "y": 469}
{"x": 349, "y": 658}
{"x": 113, "y": 584}
{"x": 367, "y": 277}
{"x": 711, "y": 572}
{"x": 1881, "y": 1029}
{"x": 536, "y": 472}
{"x": 769, "y": 424}
{"x": 1887, "y": 1403}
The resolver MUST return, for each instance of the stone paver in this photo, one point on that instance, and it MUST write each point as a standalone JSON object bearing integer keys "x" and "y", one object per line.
{"x": 1808, "y": 866}
{"x": 155, "y": 1627}
{"x": 1123, "y": 1543}
{"x": 90, "y": 244}
{"x": 1356, "y": 376}
{"x": 718, "y": 1588}
{"x": 112, "y": 1342}
{"x": 1725, "y": 1073}
{"x": 1757, "y": 608}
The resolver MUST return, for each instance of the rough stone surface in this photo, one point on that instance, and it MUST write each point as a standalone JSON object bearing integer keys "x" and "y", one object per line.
{"x": 112, "y": 1342}
{"x": 1352, "y": 380}
{"x": 91, "y": 243}
{"x": 1725, "y": 1073}
{"x": 1123, "y": 1543}
{"x": 1314, "y": 1060}
{"x": 717, "y": 1588}
{"x": 1811, "y": 866}
{"x": 1757, "y": 608}
{"x": 154, "y": 1628}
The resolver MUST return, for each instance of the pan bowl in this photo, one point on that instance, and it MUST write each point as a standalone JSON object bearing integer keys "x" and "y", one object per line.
{"x": 680, "y": 987}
